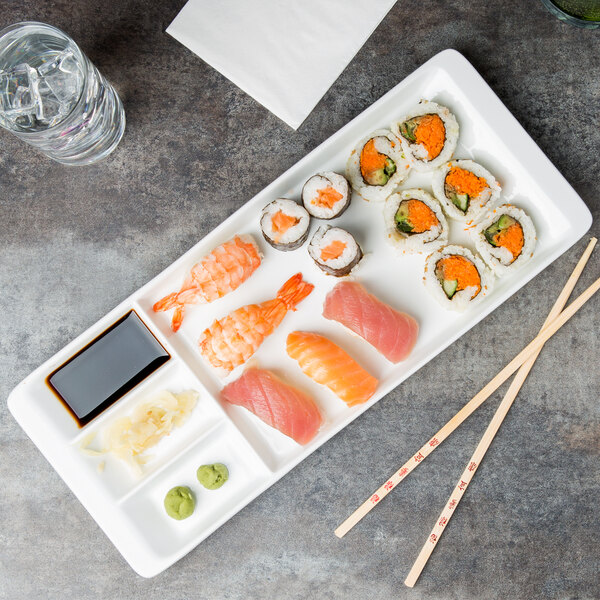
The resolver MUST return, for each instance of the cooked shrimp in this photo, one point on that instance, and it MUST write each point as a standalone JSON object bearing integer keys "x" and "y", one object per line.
{"x": 217, "y": 274}
{"x": 231, "y": 341}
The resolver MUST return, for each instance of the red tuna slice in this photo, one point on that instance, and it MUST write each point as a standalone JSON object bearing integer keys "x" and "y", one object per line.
{"x": 391, "y": 332}
{"x": 278, "y": 404}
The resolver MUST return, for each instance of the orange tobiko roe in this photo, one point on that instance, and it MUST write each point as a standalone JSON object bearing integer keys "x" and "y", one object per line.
{"x": 465, "y": 182}
{"x": 333, "y": 250}
{"x": 421, "y": 217}
{"x": 512, "y": 239}
{"x": 431, "y": 134}
{"x": 371, "y": 160}
{"x": 462, "y": 270}
{"x": 327, "y": 197}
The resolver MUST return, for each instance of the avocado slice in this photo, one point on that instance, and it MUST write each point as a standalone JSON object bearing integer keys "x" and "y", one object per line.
{"x": 378, "y": 177}
{"x": 382, "y": 176}
{"x": 505, "y": 221}
{"x": 401, "y": 219}
{"x": 449, "y": 286}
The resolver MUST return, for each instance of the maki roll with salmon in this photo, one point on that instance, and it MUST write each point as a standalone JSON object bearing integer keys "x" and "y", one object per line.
{"x": 465, "y": 189}
{"x": 505, "y": 239}
{"x": 429, "y": 134}
{"x": 415, "y": 222}
{"x": 457, "y": 278}
{"x": 326, "y": 195}
{"x": 377, "y": 165}
{"x": 284, "y": 224}
{"x": 334, "y": 250}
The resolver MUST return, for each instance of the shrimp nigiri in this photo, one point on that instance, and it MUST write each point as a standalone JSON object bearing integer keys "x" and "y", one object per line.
{"x": 217, "y": 274}
{"x": 328, "y": 364}
{"x": 231, "y": 341}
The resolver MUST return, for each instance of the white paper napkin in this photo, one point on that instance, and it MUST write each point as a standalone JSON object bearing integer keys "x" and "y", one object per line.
{"x": 284, "y": 53}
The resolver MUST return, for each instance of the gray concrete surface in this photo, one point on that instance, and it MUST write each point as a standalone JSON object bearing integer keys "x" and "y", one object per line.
{"x": 76, "y": 241}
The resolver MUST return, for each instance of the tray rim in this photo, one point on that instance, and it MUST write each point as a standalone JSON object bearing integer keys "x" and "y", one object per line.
{"x": 490, "y": 107}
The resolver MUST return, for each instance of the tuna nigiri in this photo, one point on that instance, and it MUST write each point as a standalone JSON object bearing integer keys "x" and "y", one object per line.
{"x": 278, "y": 404}
{"x": 393, "y": 333}
{"x": 328, "y": 364}
{"x": 231, "y": 341}
{"x": 217, "y": 274}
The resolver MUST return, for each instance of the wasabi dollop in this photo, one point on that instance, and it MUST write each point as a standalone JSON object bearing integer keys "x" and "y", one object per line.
{"x": 179, "y": 502}
{"x": 212, "y": 477}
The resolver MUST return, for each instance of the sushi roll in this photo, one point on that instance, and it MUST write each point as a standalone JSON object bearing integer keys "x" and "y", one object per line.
{"x": 284, "y": 224}
{"x": 377, "y": 165}
{"x": 415, "y": 222}
{"x": 465, "y": 189}
{"x": 457, "y": 278}
{"x": 505, "y": 239}
{"x": 334, "y": 250}
{"x": 326, "y": 195}
{"x": 429, "y": 134}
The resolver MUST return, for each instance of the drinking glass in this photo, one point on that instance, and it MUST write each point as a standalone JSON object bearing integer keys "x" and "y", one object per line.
{"x": 54, "y": 98}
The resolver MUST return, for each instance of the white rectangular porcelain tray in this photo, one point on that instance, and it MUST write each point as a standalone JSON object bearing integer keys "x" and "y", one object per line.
{"x": 129, "y": 509}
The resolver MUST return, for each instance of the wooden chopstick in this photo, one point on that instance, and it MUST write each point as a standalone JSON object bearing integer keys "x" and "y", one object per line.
{"x": 466, "y": 411}
{"x": 492, "y": 429}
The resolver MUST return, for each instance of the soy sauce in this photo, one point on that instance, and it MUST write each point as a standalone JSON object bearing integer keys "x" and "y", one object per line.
{"x": 107, "y": 368}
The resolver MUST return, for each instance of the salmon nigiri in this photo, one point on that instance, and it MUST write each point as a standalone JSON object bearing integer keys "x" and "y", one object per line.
{"x": 232, "y": 340}
{"x": 328, "y": 364}
{"x": 217, "y": 274}
{"x": 278, "y": 404}
{"x": 393, "y": 333}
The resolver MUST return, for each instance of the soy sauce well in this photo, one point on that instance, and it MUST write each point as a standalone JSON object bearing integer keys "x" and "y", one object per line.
{"x": 107, "y": 368}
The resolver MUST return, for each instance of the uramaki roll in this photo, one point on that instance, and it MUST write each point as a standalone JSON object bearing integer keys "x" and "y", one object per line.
{"x": 377, "y": 165}
{"x": 457, "y": 278}
{"x": 415, "y": 222}
{"x": 505, "y": 238}
{"x": 429, "y": 134}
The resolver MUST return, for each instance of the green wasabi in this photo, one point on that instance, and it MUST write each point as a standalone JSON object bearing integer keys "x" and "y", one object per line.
{"x": 179, "y": 502}
{"x": 212, "y": 477}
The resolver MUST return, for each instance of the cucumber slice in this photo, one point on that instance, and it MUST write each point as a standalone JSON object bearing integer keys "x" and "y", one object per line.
{"x": 404, "y": 226}
{"x": 449, "y": 286}
{"x": 407, "y": 129}
{"x": 390, "y": 167}
{"x": 461, "y": 201}
{"x": 490, "y": 233}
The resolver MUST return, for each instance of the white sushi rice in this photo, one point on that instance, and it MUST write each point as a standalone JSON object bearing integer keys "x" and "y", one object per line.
{"x": 343, "y": 264}
{"x": 322, "y": 181}
{"x": 428, "y": 241}
{"x": 296, "y": 235}
{"x": 462, "y": 299}
{"x": 386, "y": 143}
{"x": 500, "y": 259}
{"x": 478, "y": 204}
{"x": 416, "y": 152}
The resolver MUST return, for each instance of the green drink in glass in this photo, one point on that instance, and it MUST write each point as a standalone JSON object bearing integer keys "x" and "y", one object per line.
{"x": 581, "y": 13}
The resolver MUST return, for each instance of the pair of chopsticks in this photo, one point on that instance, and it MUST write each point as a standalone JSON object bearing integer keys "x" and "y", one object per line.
{"x": 523, "y": 362}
